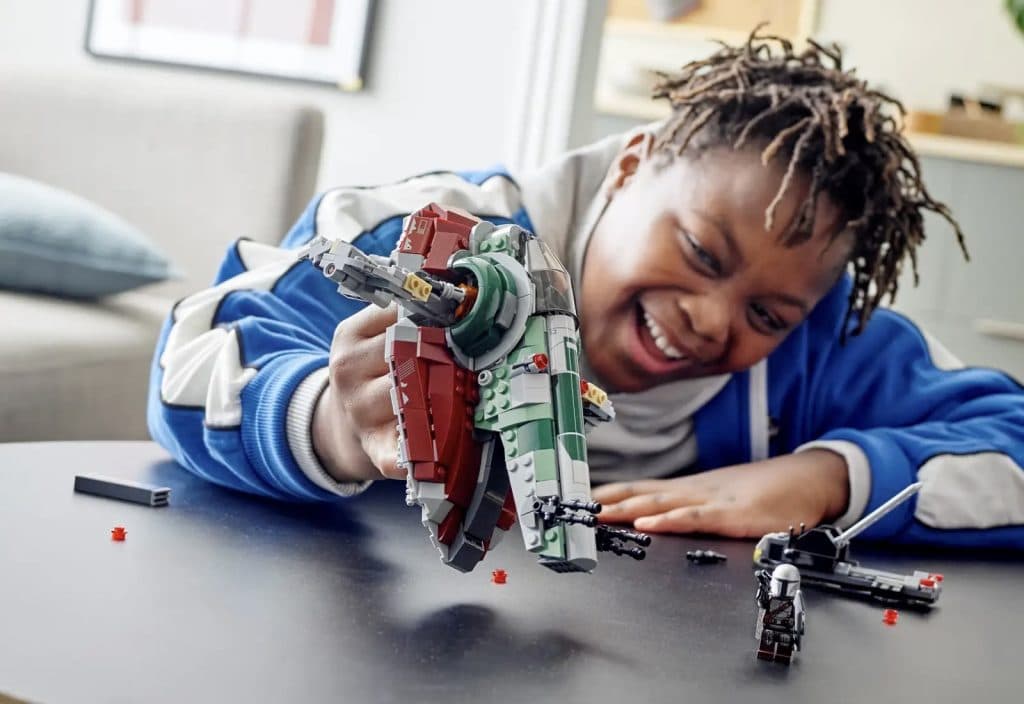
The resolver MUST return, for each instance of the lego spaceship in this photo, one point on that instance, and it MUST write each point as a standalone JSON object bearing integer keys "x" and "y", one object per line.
{"x": 491, "y": 408}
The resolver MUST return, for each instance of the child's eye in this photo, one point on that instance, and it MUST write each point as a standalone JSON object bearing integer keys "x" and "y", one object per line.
{"x": 704, "y": 256}
{"x": 766, "y": 319}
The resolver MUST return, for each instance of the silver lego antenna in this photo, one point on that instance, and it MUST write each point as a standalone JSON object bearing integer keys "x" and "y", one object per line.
{"x": 869, "y": 520}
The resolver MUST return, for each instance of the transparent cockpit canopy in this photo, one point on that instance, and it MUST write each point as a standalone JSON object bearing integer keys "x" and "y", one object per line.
{"x": 552, "y": 283}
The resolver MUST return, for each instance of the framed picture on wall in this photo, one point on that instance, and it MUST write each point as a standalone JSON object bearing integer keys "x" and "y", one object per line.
{"x": 322, "y": 41}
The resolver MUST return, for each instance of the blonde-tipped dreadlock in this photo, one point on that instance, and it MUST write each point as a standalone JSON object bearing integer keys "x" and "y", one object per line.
{"x": 831, "y": 126}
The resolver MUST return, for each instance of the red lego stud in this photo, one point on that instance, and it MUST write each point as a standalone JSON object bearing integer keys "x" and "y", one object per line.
{"x": 541, "y": 361}
{"x": 937, "y": 577}
{"x": 118, "y": 533}
{"x": 584, "y": 386}
{"x": 927, "y": 582}
{"x": 499, "y": 576}
{"x": 890, "y": 617}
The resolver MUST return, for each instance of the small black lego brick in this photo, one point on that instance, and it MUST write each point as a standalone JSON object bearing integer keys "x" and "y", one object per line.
{"x": 705, "y": 557}
{"x": 122, "y": 489}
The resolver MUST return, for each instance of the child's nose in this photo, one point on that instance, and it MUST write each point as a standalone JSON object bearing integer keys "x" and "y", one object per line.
{"x": 708, "y": 316}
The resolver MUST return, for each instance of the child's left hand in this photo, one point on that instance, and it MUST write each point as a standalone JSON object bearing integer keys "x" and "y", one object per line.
{"x": 741, "y": 501}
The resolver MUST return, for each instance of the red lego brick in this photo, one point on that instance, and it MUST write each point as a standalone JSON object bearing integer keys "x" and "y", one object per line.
{"x": 456, "y": 217}
{"x": 417, "y": 235}
{"x": 418, "y": 435}
{"x": 499, "y": 576}
{"x": 433, "y": 336}
{"x": 890, "y": 617}
{"x": 450, "y": 526}
{"x": 408, "y": 375}
{"x": 118, "y": 533}
{"x": 508, "y": 512}
{"x": 433, "y": 351}
{"x": 445, "y": 244}
{"x": 428, "y": 472}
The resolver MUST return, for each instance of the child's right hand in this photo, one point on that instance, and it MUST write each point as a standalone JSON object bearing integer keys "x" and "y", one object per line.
{"x": 354, "y": 431}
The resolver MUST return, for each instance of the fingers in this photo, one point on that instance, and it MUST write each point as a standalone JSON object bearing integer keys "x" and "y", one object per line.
{"x": 697, "y": 518}
{"x": 369, "y": 406}
{"x": 618, "y": 491}
{"x": 649, "y": 504}
{"x": 355, "y": 360}
{"x": 381, "y": 446}
{"x": 369, "y": 322}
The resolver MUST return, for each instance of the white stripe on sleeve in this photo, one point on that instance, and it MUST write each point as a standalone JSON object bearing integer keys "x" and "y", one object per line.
{"x": 227, "y": 379}
{"x": 193, "y": 344}
{"x": 345, "y": 213}
{"x": 983, "y": 490}
{"x": 300, "y": 438}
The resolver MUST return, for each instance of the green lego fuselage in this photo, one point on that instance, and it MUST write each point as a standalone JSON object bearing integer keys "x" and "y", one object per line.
{"x": 536, "y": 413}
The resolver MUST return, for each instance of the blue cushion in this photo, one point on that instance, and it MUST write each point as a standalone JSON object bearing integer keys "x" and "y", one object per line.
{"x": 55, "y": 242}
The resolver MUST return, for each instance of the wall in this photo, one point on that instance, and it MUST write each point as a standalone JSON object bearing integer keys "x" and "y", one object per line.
{"x": 921, "y": 50}
{"x": 442, "y": 82}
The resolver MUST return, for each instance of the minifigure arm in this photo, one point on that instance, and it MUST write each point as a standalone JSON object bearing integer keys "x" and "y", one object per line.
{"x": 239, "y": 367}
{"x": 763, "y": 581}
{"x": 900, "y": 408}
{"x": 801, "y": 615}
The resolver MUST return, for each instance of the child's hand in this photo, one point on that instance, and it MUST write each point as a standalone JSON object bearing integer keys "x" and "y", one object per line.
{"x": 354, "y": 425}
{"x": 741, "y": 501}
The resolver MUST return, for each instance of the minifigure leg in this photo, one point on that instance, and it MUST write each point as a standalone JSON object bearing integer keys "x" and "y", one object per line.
{"x": 784, "y": 653}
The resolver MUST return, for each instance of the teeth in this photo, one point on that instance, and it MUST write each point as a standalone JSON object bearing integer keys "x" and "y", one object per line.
{"x": 661, "y": 340}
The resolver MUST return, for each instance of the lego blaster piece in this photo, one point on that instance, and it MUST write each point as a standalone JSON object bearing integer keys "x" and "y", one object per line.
{"x": 553, "y": 511}
{"x": 764, "y": 579}
{"x": 616, "y": 541}
{"x": 429, "y": 300}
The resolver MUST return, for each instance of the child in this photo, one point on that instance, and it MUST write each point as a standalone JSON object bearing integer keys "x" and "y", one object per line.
{"x": 709, "y": 257}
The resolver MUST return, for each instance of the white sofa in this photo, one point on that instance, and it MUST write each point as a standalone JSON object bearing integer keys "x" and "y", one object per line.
{"x": 193, "y": 169}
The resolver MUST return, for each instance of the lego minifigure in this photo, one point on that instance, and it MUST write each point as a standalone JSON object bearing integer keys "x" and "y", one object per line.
{"x": 780, "y": 616}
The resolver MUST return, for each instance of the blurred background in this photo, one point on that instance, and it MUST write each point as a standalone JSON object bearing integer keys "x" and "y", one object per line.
{"x": 138, "y": 138}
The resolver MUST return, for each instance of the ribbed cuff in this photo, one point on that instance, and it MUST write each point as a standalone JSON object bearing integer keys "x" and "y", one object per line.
{"x": 859, "y": 473}
{"x": 300, "y": 436}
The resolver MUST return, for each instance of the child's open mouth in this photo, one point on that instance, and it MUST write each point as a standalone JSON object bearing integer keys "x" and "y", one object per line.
{"x": 652, "y": 349}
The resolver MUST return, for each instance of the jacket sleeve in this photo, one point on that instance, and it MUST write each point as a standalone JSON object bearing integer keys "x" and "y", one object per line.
{"x": 901, "y": 408}
{"x": 239, "y": 367}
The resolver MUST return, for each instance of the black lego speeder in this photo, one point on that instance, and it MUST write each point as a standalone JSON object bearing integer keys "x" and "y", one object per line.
{"x": 822, "y": 556}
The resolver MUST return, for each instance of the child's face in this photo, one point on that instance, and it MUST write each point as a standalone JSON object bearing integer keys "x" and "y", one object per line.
{"x": 680, "y": 278}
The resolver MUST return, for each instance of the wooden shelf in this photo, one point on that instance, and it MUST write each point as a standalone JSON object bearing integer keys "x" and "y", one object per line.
{"x": 664, "y": 31}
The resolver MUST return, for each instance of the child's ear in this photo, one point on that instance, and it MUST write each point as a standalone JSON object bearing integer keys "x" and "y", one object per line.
{"x": 627, "y": 161}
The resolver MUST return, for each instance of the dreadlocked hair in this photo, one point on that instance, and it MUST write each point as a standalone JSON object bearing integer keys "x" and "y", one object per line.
{"x": 830, "y": 126}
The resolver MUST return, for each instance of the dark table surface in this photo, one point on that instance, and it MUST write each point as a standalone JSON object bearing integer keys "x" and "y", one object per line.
{"x": 222, "y": 597}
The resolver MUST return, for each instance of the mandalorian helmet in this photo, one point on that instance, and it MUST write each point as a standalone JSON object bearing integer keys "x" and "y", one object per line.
{"x": 785, "y": 581}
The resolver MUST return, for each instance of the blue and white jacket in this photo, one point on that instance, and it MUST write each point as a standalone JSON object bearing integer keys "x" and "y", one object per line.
{"x": 239, "y": 367}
